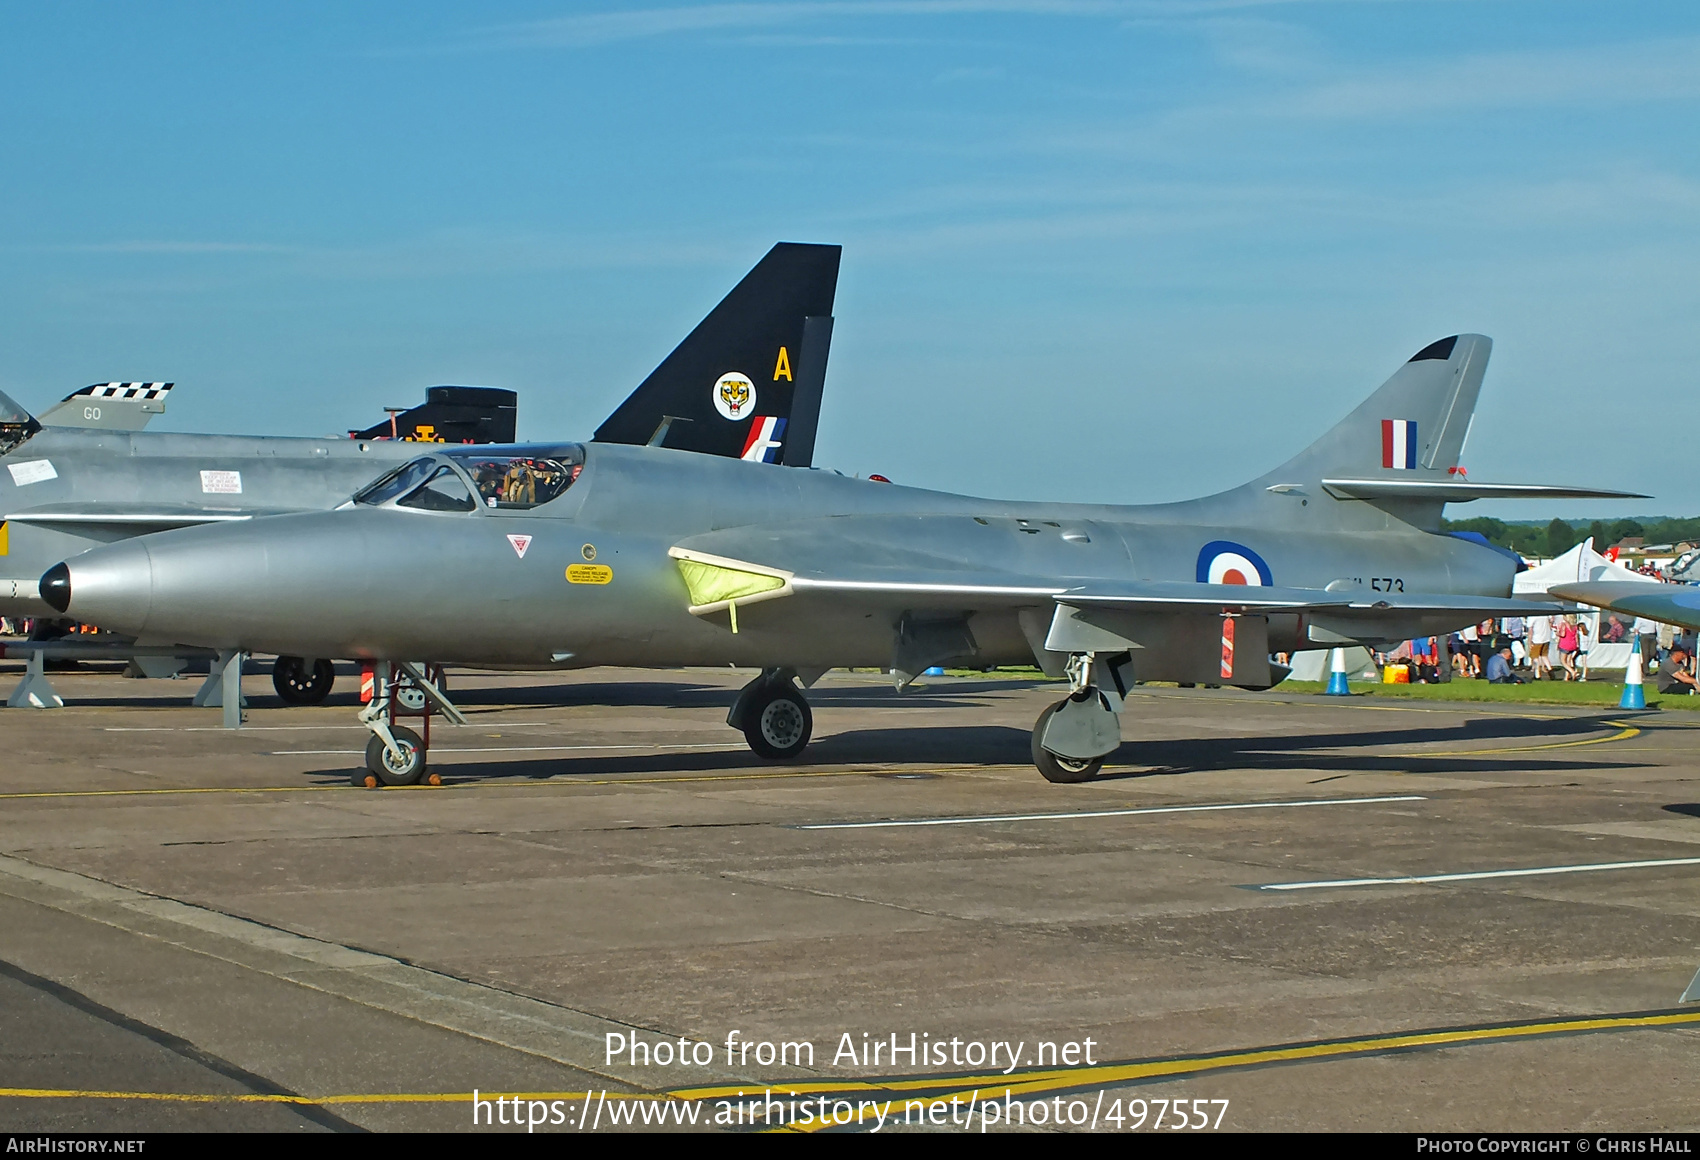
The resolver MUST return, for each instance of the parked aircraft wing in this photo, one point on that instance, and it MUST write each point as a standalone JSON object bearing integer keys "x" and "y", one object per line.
{"x": 1670, "y": 603}
{"x": 109, "y": 406}
{"x": 1180, "y": 595}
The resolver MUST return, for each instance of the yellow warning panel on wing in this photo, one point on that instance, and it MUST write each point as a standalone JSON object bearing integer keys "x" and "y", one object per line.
{"x": 589, "y": 574}
{"x": 5, "y": 539}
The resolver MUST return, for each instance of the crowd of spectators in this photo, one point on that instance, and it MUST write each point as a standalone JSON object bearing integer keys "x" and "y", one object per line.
{"x": 1516, "y": 650}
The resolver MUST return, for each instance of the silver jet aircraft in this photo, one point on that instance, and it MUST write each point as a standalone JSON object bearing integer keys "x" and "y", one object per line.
{"x": 66, "y": 489}
{"x": 571, "y": 555}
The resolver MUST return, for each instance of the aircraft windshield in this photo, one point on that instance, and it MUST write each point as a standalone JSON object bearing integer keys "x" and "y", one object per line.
{"x": 443, "y": 492}
{"x": 522, "y": 481}
{"x": 398, "y": 482}
{"x": 16, "y": 424}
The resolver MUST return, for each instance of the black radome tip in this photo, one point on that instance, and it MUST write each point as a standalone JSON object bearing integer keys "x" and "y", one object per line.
{"x": 56, "y": 587}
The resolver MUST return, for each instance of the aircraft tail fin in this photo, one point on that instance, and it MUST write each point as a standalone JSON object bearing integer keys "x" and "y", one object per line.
{"x": 451, "y": 415}
{"x": 747, "y": 382}
{"x": 1398, "y": 453}
{"x": 1412, "y": 428}
{"x": 109, "y": 406}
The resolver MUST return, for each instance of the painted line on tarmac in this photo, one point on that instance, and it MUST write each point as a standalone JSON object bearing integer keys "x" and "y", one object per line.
{"x": 439, "y": 751}
{"x": 1125, "y": 1072}
{"x": 468, "y": 784}
{"x": 1624, "y": 733}
{"x": 1477, "y": 875}
{"x": 1025, "y": 1082}
{"x": 473, "y": 723}
{"x": 989, "y": 818}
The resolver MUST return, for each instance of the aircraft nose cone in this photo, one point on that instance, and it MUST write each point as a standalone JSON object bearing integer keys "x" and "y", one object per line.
{"x": 56, "y": 587}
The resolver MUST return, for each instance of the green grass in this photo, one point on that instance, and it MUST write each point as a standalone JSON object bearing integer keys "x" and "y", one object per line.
{"x": 1601, "y": 690}
{"x": 1592, "y": 692}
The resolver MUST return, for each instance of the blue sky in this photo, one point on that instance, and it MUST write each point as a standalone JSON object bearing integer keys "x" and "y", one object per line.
{"x": 1094, "y": 250}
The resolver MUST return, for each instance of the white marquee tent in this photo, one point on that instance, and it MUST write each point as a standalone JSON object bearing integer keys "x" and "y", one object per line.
{"x": 1583, "y": 563}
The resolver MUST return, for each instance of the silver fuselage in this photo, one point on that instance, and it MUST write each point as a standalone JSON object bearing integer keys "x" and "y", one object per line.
{"x": 389, "y": 583}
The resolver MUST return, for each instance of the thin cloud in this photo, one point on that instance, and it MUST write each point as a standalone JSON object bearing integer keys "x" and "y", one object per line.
{"x": 1638, "y": 71}
{"x": 145, "y": 246}
{"x": 590, "y": 29}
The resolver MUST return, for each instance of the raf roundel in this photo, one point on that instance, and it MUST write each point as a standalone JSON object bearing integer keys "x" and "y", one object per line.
{"x": 735, "y": 396}
{"x": 1225, "y": 562}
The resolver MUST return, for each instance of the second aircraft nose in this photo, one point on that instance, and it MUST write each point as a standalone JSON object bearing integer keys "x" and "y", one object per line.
{"x": 56, "y": 587}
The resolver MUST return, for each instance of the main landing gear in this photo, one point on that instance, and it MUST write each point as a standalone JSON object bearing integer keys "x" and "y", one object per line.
{"x": 303, "y": 682}
{"x": 396, "y": 755}
{"x": 1072, "y": 737}
{"x": 773, "y": 715}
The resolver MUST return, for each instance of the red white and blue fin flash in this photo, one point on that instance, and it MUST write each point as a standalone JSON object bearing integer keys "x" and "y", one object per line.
{"x": 1225, "y": 562}
{"x": 1399, "y": 443}
{"x": 767, "y": 434}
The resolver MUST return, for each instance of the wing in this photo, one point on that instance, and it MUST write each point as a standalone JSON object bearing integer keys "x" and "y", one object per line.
{"x": 828, "y": 576}
{"x": 1670, "y": 603}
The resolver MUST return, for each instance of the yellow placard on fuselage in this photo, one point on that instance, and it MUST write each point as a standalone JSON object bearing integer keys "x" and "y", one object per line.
{"x": 589, "y": 574}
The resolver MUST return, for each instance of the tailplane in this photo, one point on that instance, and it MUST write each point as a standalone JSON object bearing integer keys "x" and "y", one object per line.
{"x": 747, "y": 382}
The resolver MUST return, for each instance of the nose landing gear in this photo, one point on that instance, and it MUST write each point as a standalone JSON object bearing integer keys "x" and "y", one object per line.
{"x": 395, "y": 754}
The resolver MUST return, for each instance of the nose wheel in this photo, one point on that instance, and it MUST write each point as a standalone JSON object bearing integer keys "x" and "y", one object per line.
{"x": 395, "y": 754}
{"x": 405, "y": 765}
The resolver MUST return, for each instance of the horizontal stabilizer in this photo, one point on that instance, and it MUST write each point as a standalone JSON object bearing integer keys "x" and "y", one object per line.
{"x": 1463, "y": 490}
{"x": 109, "y": 406}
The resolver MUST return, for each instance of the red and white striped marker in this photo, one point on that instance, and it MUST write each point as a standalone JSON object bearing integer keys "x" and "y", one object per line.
{"x": 1227, "y": 646}
{"x": 368, "y": 682}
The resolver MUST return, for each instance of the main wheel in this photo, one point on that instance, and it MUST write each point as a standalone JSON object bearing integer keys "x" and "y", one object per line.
{"x": 778, "y": 724}
{"x": 384, "y": 765}
{"x": 297, "y": 686}
{"x": 1060, "y": 769}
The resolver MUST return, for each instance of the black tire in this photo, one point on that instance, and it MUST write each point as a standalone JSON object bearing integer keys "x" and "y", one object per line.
{"x": 381, "y": 762}
{"x": 297, "y": 686}
{"x": 778, "y": 723}
{"x": 1064, "y": 770}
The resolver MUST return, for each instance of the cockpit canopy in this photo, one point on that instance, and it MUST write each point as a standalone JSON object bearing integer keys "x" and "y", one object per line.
{"x": 16, "y": 424}
{"x": 488, "y": 477}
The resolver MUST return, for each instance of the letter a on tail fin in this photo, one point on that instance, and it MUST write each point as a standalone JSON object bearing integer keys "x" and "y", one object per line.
{"x": 747, "y": 382}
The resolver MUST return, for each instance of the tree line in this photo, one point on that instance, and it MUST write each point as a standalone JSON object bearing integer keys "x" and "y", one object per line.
{"x": 1558, "y": 536}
